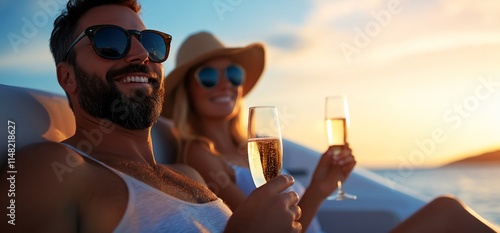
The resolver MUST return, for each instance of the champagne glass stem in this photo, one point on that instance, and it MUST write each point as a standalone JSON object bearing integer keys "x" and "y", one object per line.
{"x": 340, "y": 191}
{"x": 341, "y": 195}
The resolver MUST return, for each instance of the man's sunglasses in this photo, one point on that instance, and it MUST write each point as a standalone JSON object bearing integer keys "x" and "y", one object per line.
{"x": 208, "y": 77}
{"x": 113, "y": 42}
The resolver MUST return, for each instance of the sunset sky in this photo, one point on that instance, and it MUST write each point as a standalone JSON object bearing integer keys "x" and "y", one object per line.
{"x": 422, "y": 77}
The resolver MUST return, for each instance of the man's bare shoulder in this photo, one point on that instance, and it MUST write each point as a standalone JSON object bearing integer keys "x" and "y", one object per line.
{"x": 48, "y": 167}
{"x": 47, "y": 156}
{"x": 44, "y": 188}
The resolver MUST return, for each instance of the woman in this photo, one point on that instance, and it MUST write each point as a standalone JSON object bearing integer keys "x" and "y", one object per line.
{"x": 207, "y": 112}
{"x": 204, "y": 96}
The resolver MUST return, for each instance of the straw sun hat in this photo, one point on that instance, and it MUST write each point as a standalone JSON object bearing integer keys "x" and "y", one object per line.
{"x": 203, "y": 46}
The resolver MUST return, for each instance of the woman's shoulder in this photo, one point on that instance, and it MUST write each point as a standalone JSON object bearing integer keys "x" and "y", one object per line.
{"x": 199, "y": 151}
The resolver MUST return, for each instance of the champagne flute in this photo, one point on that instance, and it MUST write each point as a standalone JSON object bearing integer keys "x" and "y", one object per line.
{"x": 337, "y": 124}
{"x": 265, "y": 153}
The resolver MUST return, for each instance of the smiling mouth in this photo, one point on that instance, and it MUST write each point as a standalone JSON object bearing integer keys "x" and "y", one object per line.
{"x": 134, "y": 79}
{"x": 225, "y": 99}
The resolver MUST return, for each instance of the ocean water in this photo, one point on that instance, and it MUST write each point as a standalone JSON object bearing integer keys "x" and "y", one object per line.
{"x": 478, "y": 186}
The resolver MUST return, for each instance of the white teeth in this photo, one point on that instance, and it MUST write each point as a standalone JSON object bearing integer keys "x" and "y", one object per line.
{"x": 134, "y": 79}
{"x": 224, "y": 99}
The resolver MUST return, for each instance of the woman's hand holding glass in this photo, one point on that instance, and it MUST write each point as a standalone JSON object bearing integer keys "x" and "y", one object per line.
{"x": 337, "y": 124}
{"x": 334, "y": 165}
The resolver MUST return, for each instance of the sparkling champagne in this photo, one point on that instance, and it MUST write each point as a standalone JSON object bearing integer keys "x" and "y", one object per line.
{"x": 336, "y": 130}
{"x": 265, "y": 159}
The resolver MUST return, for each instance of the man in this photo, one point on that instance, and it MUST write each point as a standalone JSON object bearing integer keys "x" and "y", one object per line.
{"x": 110, "y": 67}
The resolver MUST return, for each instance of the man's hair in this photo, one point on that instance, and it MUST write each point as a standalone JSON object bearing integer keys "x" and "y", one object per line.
{"x": 65, "y": 24}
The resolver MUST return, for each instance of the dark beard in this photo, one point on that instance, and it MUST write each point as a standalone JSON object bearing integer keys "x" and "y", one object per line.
{"x": 102, "y": 99}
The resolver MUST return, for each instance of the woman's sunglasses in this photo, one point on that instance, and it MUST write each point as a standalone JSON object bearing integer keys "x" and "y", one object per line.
{"x": 113, "y": 42}
{"x": 208, "y": 77}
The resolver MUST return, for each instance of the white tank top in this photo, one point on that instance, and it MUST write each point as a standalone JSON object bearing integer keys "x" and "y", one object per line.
{"x": 151, "y": 210}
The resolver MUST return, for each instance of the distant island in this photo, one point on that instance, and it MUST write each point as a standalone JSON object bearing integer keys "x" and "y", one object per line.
{"x": 492, "y": 157}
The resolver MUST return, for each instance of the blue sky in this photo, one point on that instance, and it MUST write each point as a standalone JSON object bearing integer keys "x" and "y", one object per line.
{"x": 422, "y": 77}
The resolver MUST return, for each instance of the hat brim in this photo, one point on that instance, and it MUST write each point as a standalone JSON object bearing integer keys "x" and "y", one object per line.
{"x": 251, "y": 58}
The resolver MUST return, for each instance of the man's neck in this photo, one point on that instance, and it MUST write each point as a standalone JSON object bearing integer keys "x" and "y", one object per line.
{"x": 106, "y": 140}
